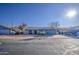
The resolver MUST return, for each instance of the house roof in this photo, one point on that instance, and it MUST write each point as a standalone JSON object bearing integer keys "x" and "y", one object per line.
{"x": 39, "y": 28}
{"x": 4, "y": 27}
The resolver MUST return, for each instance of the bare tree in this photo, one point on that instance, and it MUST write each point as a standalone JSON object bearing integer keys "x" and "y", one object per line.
{"x": 55, "y": 26}
{"x": 20, "y": 29}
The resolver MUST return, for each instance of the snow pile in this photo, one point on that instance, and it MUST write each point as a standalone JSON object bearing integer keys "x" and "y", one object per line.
{"x": 59, "y": 37}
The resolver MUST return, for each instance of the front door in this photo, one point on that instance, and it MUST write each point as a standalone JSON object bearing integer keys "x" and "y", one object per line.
{"x": 35, "y": 32}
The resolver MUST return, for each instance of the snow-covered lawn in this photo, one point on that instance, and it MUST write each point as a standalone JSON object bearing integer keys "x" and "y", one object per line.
{"x": 53, "y": 45}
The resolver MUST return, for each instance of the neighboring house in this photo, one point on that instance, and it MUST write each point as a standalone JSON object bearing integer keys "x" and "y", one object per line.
{"x": 4, "y": 30}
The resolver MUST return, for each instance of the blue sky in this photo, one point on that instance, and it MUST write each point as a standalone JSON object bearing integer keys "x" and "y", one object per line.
{"x": 39, "y": 15}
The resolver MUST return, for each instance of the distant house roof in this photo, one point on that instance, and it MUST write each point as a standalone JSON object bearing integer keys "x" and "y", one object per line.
{"x": 3, "y": 27}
